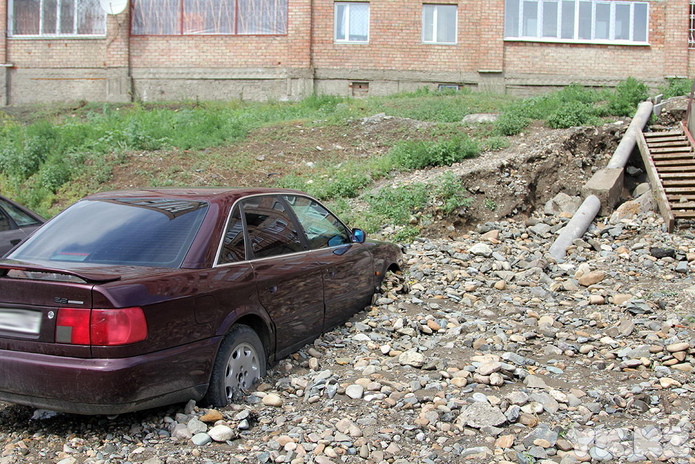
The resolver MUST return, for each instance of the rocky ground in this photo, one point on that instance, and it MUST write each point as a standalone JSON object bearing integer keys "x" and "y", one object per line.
{"x": 484, "y": 349}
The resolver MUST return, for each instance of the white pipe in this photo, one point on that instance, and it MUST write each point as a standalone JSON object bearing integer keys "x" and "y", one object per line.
{"x": 589, "y": 209}
{"x": 579, "y": 223}
{"x": 627, "y": 144}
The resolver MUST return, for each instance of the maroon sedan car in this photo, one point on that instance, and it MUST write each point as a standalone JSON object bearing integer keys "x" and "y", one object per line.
{"x": 136, "y": 299}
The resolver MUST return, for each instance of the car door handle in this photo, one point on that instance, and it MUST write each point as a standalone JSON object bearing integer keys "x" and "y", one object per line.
{"x": 15, "y": 241}
{"x": 273, "y": 289}
{"x": 331, "y": 273}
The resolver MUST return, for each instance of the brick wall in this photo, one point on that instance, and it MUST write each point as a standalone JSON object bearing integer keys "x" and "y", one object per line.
{"x": 116, "y": 45}
{"x": 224, "y": 51}
{"x": 56, "y": 53}
{"x": 395, "y": 54}
{"x": 395, "y": 40}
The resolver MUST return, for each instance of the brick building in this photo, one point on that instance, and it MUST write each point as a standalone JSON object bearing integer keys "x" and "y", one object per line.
{"x": 287, "y": 49}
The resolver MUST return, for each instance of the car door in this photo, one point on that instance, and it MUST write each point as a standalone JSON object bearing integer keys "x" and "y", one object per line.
{"x": 347, "y": 267}
{"x": 288, "y": 280}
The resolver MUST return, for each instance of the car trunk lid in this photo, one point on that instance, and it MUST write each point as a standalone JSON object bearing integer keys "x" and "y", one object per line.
{"x": 30, "y": 297}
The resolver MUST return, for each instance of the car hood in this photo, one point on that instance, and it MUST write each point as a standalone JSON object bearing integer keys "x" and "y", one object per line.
{"x": 87, "y": 273}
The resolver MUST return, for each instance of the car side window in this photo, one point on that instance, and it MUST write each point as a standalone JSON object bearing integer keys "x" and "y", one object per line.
{"x": 270, "y": 228}
{"x": 4, "y": 222}
{"x": 234, "y": 246}
{"x": 20, "y": 217}
{"x": 320, "y": 226}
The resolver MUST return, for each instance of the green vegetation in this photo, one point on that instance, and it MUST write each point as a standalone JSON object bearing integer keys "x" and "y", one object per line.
{"x": 56, "y": 154}
{"x": 419, "y": 154}
{"x": 626, "y": 97}
{"x": 676, "y": 87}
{"x": 572, "y": 106}
{"x": 449, "y": 195}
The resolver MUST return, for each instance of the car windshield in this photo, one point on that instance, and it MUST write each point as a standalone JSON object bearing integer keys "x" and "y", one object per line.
{"x": 141, "y": 232}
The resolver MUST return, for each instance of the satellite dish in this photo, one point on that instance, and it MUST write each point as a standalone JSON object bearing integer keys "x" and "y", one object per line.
{"x": 113, "y": 7}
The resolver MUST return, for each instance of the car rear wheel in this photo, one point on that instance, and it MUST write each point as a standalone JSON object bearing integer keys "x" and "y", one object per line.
{"x": 240, "y": 363}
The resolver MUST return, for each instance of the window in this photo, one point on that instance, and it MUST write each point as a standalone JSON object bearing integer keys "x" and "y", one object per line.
{"x": 439, "y": 24}
{"x": 577, "y": 20}
{"x": 233, "y": 17}
{"x": 270, "y": 228}
{"x": 137, "y": 232}
{"x": 352, "y": 22}
{"x": 56, "y": 18}
{"x": 233, "y": 245}
{"x": 21, "y": 218}
{"x": 691, "y": 38}
{"x": 322, "y": 229}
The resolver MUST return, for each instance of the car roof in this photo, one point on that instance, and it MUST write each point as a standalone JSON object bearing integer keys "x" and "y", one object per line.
{"x": 197, "y": 193}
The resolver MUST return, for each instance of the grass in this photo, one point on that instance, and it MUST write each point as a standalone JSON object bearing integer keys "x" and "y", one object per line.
{"x": 53, "y": 155}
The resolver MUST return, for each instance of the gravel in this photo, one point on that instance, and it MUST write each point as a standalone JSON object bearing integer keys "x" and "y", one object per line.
{"x": 485, "y": 349}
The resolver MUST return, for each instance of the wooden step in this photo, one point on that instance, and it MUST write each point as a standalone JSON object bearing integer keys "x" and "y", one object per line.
{"x": 687, "y": 157}
{"x": 651, "y": 135}
{"x": 658, "y": 151}
{"x": 675, "y": 199}
{"x": 676, "y": 176}
{"x": 671, "y": 142}
{"x": 675, "y": 162}
{"x": 685, "y": 169}
{"x": 678, "y": 192}
{"x": 684, "y": 214}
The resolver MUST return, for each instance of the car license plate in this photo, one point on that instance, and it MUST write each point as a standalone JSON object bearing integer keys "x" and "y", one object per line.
{"x": 20, "y": 320}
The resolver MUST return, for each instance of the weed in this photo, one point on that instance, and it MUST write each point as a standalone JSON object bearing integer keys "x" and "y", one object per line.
{"x": 407, "y": 234}
{"x": 450, "y": 194}
{"x": 421, "y": 154}
{"x": 676, "y": 86}
{"x": 490, "y": 204}
{"x": 627, "y": 95}
{"x": 511, "y": 123}
{"x": 398, "y": 204}
{"x": 571, "y": 115}
{"x": 494, "y": 143}
{"x": 66, "y": 151}
{"x": 347, "y": 184}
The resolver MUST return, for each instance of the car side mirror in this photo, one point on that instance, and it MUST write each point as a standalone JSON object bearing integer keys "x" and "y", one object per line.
{"x": 358, "y": 235}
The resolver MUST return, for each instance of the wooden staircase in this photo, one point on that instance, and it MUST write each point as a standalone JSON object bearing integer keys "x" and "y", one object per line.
{"x": 669, "y": 158}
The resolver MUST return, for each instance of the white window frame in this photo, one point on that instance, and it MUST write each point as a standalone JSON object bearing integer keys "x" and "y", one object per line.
{"x": 437, "y": 24}
{"x": 691, "y": 35}
{"x": 41, "y": 34}
{"x": 533, "y": 30}
{"x": 347, "y": 37}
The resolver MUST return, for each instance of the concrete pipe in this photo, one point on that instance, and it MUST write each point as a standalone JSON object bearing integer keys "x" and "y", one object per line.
{"x": 579, "y": 223}
{"x": 622, "y": 154}
{"x": 607, "y": 183}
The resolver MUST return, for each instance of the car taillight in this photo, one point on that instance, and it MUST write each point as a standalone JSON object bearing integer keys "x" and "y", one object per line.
{"x": 102, "y": 327}
{"x": 72, "y": 326}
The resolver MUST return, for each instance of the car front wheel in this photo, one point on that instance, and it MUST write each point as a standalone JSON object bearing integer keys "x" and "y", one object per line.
{"x": 240, "y": 363}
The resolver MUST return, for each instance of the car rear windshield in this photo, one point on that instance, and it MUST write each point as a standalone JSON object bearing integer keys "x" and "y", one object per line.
{"x": 141, "y": 232}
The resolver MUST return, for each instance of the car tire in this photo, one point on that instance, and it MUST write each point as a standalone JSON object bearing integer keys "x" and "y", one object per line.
{"x": 239, "y": 364}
